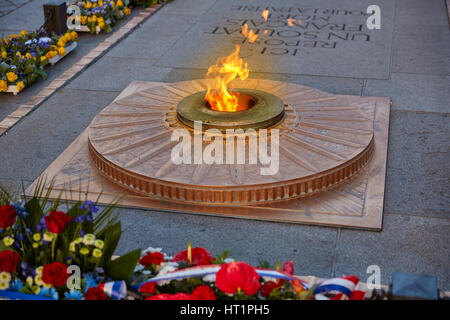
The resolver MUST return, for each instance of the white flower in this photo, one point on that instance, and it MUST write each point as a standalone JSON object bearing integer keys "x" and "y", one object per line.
{"x": 89, "y": 239}
{"x": 39, "y": 270}
{"x": 99, "y": 244}
{"x": 5, "y": 276}
{"x": 78, "y": 240}
{"x": 152, "y": 250}
{"x": 38, "y": 280}
{"x": 29, "y": 281}
{"x": 270, "y": 279}
{"x": 4, "y": 285}
{"x": 44, "y": 40}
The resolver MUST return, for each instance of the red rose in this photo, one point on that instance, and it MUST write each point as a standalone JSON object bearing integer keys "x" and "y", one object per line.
{"x": 55, "y": 273}
{"x": 57, "y": 221}
{"x": 7, "y": 216}
{"x": 95, "y": 293}
{"x": 200, "y": 256}
{"x": 238, "y": 275}
{"x": 9, "y": 260}
{"x": 148, "y": 287}
{"x": 152, "y": 257}
{"x": 268, "y": 287}
{"x": 203, "y": 293}
{"x": 166, "y": 296}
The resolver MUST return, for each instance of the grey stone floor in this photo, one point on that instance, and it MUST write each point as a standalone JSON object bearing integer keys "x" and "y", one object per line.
{"x": 413, "y": 54}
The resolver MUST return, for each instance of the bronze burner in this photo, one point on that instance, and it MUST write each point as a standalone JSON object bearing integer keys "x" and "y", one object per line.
{"x": 263, "y": 110}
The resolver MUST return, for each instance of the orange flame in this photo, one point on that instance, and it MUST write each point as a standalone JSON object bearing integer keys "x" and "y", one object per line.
{"x": 251, "y": 35}
{"x": 265, "y": 14}
{"x": 224, "y": 71}
{"x": 291, "y": 22}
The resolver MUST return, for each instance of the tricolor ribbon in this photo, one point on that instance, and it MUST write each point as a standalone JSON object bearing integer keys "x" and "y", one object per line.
{"x": 114, "y": 289}
{"x": 344, "y": 285}
{"x": 205, "y": 270}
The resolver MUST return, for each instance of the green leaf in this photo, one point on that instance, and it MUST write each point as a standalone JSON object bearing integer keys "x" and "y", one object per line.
{"x": 122, "y": 268}
{"x": 110, "y": 236}
{"x": 4, "y": 67}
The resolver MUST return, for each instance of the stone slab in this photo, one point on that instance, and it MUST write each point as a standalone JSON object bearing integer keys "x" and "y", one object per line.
{"x": 154, "y": 37}
{"x": 42, "y": 135}
{"x": 418, "y": 169}
{"x": 193, "y": 7}
{"x": 316, "y": 47}
{"x": 413, "y": 92}
{"x": 414, "y": 12}
{"x": 407, "y": 243}
{"x": 421, "y": 49}
{"x": 107, "y": 79}
{"x": 311, "y": 248}
{"x": 74, "y": 170}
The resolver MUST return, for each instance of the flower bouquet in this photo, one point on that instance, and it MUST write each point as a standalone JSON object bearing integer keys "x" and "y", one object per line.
{"x": 22, "y": 61}
{"x": 193, "y": 274}
{"x": 50, "y": 253}
{"x": 97, "y": 15}
{"x": 24, "y": 56}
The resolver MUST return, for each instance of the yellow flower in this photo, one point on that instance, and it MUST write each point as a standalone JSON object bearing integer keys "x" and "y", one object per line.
{"x": 72, "y": 247}
{"x": 11, "y": 76}
{"x": 4, "y": 54}
{"x": 35, "y": 245}
{"x": 19, "y": 86}
{"x": 39, "y": 270}
{"x": 61, "y": 42}
{"x": 97, "y": 253}
{"x": 18, "y": 53}
{"x": 23, "y": 32}
{"x": 68, "y": 37}
{"x": 99, "y": 244}
{"x": 51, "y": 54}
{"x": 127, "y": 11}
{"x": 8, "y": 241}
{"x": 3, "y": 86}
{"x": 37, "y": 237}
{"x": 78, "y": 240}
{"x": 36, "y": 289}
{"x": 4, "y": 285}
{"x": 83, "y": 20}
{"x": 100, "y": 3}
{"x": 74, "y": 35}
{"x": 61, "y": 51}
{"x": 89, "y": 19}
{"x": 88, "y": 5}
{"x": 119, "y": 3}
{"x": 84, "y": 251}
{"x": 5, "y": 276}
{"x": 101, "y": 25}
{"x": 43, "y": 58}
{"x": 112, "y": 3}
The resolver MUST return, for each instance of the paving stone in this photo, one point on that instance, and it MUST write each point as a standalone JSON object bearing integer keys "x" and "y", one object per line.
{"x": 316, "y": 47}
{"x": 30, "y": 17}
{"x": 30, "y": 146}
{"x": 311, "y": 248}
{"x": 407, "y": 243}
{"x": 418, "y": 170}
{"x": 328, "y": 84}
{"x": 421, "y": 49}
{"x": 107, "y": 79}
{"x": 413, "y": 12}
{"x": 413, "y": 92}
{"x": 193, "y": 7}
{"x": 154, "y": 37}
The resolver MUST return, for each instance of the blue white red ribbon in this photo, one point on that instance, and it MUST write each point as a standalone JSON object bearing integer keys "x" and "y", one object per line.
{"x": 344, "y": 285}
{"x": 205, "y": 270}
{"x": 114, "y": 289}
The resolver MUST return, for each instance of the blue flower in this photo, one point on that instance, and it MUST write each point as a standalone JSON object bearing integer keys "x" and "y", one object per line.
{"x": 89, "y": 282}
{"x": 79, "y": 219}
{"x": 16, "y": 285}
{"x": 74, "y": 295}
{"x": 89, "y": 206}
{"x": 52, "y": 293}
